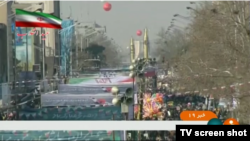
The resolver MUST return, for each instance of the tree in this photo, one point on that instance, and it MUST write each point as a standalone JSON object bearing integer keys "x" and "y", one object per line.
{"x": 110, "y": 53}
{"x": 170, "y": 45}
{"x": 218, "y": 52}
{"x": 212, "y": 56}
{"x": 82, "y": 56}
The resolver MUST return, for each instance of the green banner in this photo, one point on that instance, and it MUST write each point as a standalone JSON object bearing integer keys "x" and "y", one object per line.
{"x": 59, "y": 135}
{"x": 74, "y": 113}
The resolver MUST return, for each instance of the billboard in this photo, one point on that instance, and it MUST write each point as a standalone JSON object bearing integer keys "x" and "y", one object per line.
{"x": 24, "y": 47}
{"x": 66, "y": 41}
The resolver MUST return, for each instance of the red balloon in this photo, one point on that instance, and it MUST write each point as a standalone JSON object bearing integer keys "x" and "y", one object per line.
{"x": 107, "y": 6}
{"x": 139, "y": 32}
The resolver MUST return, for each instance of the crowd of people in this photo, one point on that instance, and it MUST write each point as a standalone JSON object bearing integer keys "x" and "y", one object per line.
{"x": 167, "y": 107}
{"x": 171, "y": 107}
{"x": 7, "y": 115}
{"x": 152, "y": 135}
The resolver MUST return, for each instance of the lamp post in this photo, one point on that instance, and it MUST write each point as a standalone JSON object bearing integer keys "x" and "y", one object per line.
{"x": 183, "y": 17}
{"x": 123, "y": 100}
{"x": 138, "y": 69}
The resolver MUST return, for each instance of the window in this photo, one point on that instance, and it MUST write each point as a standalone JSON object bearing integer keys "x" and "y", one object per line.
{"x": 47, "y": 51}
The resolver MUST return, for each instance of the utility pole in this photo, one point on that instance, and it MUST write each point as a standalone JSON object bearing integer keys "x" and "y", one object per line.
{"x": 141, "y": 91}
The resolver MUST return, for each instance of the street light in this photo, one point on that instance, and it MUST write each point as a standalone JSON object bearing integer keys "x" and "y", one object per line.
{"x": 114, "y": 91}
{"x": 176, "y": 26}
{"x": 131, "y": 67}
{"x": 137, "y": 69}
{"x": 124, "y": 101}
{"x": 183, "y": 17}
{"x": 175, "y": 15}
{"x": 190, "y": 8}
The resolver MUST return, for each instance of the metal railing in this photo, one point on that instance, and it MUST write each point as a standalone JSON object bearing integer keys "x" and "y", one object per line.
{"x": 8, "y": 91}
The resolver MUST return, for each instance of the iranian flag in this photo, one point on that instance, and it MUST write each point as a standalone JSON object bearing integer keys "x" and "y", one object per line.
{"x": 36, "y": 19}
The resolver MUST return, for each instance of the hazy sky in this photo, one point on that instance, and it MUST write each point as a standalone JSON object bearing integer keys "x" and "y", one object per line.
{"x": 125, "y": 18}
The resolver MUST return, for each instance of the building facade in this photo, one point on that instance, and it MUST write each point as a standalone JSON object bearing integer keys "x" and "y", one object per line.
{"x": 57, "y": 39}
{"x": 6, "y": 71}
{"x": 52, "y": 39}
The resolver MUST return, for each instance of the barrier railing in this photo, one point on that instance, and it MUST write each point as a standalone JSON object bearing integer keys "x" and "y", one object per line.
{"x": 9, "y": 91}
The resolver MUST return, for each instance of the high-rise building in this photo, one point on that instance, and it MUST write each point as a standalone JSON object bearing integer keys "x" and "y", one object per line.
{"x": 5, "y": 43}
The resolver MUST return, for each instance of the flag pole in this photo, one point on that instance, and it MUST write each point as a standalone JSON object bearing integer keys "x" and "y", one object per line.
{"x": 14, "y": 74}
{"x": 27, "y": 57}
{"x": 43, "y": 53}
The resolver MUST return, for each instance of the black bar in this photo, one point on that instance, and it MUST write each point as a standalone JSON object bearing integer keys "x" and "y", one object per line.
{"x": 208, "y": 132}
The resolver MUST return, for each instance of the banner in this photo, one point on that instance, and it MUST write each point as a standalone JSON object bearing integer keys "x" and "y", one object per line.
{"x": 60, "y": 135}
{"x": 73, "y": 89}
{"x": 76, "y": 100}
{"x": 100, "y": 80}
{"x": 100, "y": 113}
{"x": 74, "y": 113}
{"x": 66, "y": 43}
{"x": 80, "y": 102}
